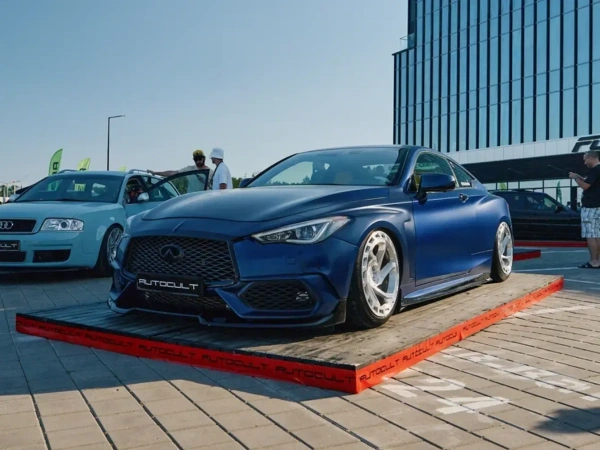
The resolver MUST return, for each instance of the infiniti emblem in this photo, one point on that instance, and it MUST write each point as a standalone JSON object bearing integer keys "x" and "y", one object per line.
{"x": 171, "y": 253}
{"x": 6, "y": 225}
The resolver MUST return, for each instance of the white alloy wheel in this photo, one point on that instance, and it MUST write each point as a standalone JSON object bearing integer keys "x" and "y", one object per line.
{"x": 380, "y": 274}
{"x": 505, "y": 248}
{"x": 112, "y": 243}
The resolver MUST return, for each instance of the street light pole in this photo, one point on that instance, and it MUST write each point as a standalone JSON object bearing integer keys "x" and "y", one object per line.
{"x": 108, "y": 142}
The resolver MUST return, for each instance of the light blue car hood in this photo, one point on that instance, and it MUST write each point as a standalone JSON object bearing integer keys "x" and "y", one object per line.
{"x": 44, "y": 210}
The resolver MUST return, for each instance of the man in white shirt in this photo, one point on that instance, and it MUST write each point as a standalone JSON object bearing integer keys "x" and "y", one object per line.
{"x": 221, "y": 177}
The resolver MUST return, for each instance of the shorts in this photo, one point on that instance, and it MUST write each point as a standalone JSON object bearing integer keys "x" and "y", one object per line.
{"x": 590, "y": 223}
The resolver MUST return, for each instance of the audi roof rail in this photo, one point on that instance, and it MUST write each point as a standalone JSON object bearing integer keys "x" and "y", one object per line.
{"x": 137, "y": 171}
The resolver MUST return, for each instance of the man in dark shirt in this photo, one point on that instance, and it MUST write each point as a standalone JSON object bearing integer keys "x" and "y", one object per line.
{"x": 590, "y": 207}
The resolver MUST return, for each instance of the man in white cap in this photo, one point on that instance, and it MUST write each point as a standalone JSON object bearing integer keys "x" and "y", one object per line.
{"x": 221, "y": 177}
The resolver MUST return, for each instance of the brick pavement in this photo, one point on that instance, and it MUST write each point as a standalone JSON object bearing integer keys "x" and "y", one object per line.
{"x": 529, "y": 382}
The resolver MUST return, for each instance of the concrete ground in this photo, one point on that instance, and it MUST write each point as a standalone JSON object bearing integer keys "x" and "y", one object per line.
{"x": 530, "y": 382}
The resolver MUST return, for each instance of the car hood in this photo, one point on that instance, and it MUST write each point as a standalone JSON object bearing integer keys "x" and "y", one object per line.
{"x": 39, "y": 210}
{"x": 264, "y": 203}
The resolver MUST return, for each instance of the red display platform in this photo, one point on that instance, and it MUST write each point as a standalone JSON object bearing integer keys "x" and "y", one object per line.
{"x": 343, "y": 361}
{"x": 559, "y": 244}
{"x": 525, "y": 254}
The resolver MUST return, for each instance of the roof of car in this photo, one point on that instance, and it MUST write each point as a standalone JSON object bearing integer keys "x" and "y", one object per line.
{"x": 92, "y": 173}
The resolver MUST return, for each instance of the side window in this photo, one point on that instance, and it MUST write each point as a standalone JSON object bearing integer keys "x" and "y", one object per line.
{"x": 463, "y": 179}
{"x": 515, "y": 201}
{"x": 429, "y": 163}
{"x": 540, "y": 202}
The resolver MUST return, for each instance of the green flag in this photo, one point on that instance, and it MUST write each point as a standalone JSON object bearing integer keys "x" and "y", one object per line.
{"x": 122, "y": 169}
{"x": 558, "y": 193}
{"x": 55, "y": 162}
{"x": 84, "y": 164}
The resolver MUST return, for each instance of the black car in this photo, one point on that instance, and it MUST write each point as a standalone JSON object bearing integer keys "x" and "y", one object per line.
{"x": 537, "y": 216}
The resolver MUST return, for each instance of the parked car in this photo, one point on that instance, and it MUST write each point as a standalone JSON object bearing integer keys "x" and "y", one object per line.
{"x": 74, "y": 219}
{"x": 318, "y": 239}
{"x": 538, "y": 216}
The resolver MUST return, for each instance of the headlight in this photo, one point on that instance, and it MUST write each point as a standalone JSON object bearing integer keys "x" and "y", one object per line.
{"x": 62, "y": 225}
{"x": 309, "y": 232}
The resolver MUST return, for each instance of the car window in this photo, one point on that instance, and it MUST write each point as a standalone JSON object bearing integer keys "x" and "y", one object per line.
{"x": 429, "y": 163}
{"x": 463, "y": 179}
{"x": 514, "y": 200}
{"x": 540, "y": 203}
{"x": 180, "y": 184}
{"x": 75, "y": 187}
{"x": 356, "y": 166}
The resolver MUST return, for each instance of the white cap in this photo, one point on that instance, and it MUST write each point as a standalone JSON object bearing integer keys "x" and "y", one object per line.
{"x": 217, "y": 153}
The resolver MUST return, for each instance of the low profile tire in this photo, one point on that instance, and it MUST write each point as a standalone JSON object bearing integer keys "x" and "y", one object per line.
{"x": 107, "y": 251}
{"x": 503, "y": 253}
{"x": 375, "y": 285}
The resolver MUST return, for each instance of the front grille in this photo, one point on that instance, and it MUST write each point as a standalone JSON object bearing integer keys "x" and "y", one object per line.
{"x": 12, "y": 257}
{"x": 179, "y": 304}
{"x": 17, "y": 225}
{"x": 277, "y": 296}
{"x": 207, "y": 258}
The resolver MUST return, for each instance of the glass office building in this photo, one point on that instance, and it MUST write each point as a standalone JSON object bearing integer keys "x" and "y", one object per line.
{"x": 498, "y": 74}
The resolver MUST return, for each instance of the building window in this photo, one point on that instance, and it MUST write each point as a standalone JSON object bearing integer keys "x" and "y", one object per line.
{"x": 554, "y": 116}
{"x": 596, "y": 111}
{"x": 568, "y": 112}
{"x": 493, "y": 126}
{"x": 482, "y": 128}
{"x": 555, "y": 42}
{"x": 583, "y": 111}
{"x": 542, "y": 64}
{"x": 528, "y": 125}
{"x": 568, "y": 39}
{"x": 583, "y": 35}
{"x": 516, "y": 122}
{"x": 540, "y": 118}
{"x": 505, "y": 123}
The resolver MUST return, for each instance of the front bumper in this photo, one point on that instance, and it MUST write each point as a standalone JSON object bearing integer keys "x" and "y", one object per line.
{"x": 276, "y": 286}
{"x": 45, "y": 250}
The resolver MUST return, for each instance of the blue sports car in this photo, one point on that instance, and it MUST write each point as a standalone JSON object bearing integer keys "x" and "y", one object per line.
{"x": 343, "y": 235}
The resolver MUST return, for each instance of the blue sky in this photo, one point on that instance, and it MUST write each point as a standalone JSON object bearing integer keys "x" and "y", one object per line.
{"x": 260, "y": 78}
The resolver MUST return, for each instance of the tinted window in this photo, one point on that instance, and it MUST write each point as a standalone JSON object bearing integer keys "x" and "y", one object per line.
{"x": 463, "y": 179}
{"x": 544, "y": 203}
{"x": 429, "y": 163}
{"x": 344, "y": 167}
{"x": 75, "y": 188}
{"x": 514, "y": 200}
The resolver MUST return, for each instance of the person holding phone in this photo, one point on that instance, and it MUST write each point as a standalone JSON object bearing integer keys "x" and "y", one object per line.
{"x": 590, "y": 207}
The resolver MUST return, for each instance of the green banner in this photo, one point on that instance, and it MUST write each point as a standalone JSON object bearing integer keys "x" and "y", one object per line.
{"x": 84, "y": 164}
{"x": 55, "y": 162}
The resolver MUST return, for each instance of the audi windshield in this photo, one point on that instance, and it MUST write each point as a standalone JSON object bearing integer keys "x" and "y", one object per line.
{"x": 75, "y": 187}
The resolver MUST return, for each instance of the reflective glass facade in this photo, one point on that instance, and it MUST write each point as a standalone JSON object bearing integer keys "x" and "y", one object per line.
{"x": 489, "y": 73}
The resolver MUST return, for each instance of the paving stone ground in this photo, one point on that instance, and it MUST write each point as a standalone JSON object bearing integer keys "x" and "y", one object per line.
{"x": 529, "y": 382}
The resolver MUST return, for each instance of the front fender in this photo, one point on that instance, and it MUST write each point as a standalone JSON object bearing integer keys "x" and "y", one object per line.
{"x": 97, "y": 223}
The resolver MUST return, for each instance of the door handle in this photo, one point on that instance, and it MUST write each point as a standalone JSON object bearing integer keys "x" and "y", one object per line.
{"x": 463, "y": 197}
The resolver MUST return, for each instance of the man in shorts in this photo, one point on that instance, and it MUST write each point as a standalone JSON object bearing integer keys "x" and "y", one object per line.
{"x": 590, "y": 207}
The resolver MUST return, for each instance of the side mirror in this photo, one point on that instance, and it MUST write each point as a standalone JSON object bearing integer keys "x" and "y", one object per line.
{"x": 143, "y": 197}
{"x": 435, "y": 182}
{"x": 245, "y": 182}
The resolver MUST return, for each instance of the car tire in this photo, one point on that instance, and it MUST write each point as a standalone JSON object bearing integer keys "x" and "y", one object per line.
{"x": 364, "y": 308}
{"x": 103, "y": 268}
{"x": 502, "y": 261}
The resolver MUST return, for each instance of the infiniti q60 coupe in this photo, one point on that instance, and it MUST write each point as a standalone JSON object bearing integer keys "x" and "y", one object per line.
{"x": 324, "y": 237}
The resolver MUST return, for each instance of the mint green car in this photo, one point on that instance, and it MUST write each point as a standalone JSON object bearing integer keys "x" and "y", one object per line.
{"x": 74, "y": 220}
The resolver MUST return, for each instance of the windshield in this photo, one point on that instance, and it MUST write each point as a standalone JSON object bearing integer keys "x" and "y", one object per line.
{"x": 75, "y": 188}
{"x": 368, "y": 166}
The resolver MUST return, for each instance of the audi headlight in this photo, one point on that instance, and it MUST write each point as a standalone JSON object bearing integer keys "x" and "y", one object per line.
{"x": 309, "y": 232}
{"x": 62, "y": 225}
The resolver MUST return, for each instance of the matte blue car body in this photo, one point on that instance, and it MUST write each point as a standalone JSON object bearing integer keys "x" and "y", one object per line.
{"x": 84, "y": 245}
{"x": 445, "y": 245}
